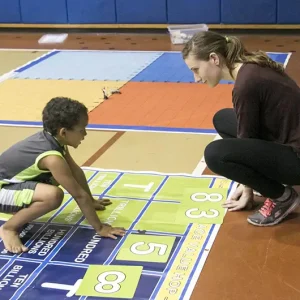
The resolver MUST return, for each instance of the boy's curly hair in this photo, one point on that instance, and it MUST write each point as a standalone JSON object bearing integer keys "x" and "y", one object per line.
{"x": 62, "y": 112}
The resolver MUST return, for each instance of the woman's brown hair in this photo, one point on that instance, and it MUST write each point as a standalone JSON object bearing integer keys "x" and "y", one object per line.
{"x": 231, "y": 49}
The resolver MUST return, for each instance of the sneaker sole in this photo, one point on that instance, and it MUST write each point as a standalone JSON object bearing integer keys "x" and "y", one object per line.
{"x": 293, "y": 207}
{"x": 257, "y": 194}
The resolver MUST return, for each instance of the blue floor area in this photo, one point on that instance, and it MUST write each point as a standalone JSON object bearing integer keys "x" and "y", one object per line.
{"x": 170, "y": 67}
{"x": 137, "y": 66}
{"x": 90, "y": 65}
{"x": 279, "y": 57}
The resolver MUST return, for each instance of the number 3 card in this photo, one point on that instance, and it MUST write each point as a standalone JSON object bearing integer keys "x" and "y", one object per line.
{"x": 203, "y": 207}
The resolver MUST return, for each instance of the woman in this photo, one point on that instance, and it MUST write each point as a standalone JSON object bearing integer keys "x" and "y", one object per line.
{"x": 260, "y": 148}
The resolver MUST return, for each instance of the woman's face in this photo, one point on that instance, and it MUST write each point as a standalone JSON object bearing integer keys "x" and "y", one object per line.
{"x": 208, "y": 72}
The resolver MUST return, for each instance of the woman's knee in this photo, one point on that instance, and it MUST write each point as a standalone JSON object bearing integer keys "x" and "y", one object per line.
{"x": 213, "y": 155}
{"x": 225, "y": 123}
{"x": 211, "y": 151}
{"x": 221, "y": 115}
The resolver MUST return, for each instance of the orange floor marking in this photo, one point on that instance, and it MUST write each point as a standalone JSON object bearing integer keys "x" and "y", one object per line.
{"x": 163, "y": 104}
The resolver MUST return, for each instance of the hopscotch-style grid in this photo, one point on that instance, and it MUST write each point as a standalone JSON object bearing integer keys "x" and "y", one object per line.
{"x": 154, "y": 279}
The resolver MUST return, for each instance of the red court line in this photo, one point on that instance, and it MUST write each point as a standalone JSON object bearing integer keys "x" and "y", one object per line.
{"x": 103, "y": 149}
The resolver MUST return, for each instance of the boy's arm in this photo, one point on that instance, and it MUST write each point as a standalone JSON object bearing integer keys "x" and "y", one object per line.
{"x": 77, "y": 172}
{"x": 63, "y": 175}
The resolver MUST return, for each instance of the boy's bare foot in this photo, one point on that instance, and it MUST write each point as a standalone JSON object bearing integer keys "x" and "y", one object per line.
{"x": 11, "y": 240}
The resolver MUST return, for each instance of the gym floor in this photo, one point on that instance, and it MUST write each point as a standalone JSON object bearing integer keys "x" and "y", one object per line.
{"x": 245, "y": 262}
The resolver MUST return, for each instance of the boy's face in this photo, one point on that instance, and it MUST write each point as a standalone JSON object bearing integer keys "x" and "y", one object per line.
{"x": 73, "y": 137}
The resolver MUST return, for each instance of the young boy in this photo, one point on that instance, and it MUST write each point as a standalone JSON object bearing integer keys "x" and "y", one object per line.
{"x": 32, "y": 169}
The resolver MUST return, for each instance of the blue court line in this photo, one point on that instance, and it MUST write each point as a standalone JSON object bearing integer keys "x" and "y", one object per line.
{"x": 112, "y": 184}
{"x": 212, "y": 182}
{"x": 118, "y": 127}
{"x": 152, "y": 128}
{"x": 230, "y": 188}
{"x": 37, "y": 61}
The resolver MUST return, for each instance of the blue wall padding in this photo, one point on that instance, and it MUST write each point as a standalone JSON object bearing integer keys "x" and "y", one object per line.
{"x": 288, "y": 11}
{"x": 10, "y": 11}
{"x": 248, "y": 12}
{"x": 150, "y": 11}
{"x": 141, "y": 11}
{"x": 44, "y": 11}
{"x": 91, "y": 11}
{"x": 193, "y": 11}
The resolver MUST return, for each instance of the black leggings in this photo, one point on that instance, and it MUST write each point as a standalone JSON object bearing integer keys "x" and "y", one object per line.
{"x": 262, "y": 165}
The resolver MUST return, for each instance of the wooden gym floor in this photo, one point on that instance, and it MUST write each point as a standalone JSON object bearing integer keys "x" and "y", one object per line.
{"x": 245, "y": 262}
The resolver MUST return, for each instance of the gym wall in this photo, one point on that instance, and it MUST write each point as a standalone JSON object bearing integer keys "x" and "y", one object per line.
{"x": 150, "y": 11}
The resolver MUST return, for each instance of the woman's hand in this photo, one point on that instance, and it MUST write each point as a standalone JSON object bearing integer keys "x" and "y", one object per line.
{"x": 243, "y": 197}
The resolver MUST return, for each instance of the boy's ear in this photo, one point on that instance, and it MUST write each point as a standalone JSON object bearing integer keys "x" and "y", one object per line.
{"x": 62, "y": 132}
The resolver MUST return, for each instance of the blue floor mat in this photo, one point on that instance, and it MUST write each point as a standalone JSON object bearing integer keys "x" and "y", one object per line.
{"x": 90, "y": 65}
{"x": 170, "y": 67}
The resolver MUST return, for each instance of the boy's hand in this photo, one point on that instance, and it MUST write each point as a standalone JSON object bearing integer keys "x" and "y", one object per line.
{"x": 111, "y": 232}
{"x": 100, "y": 204}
